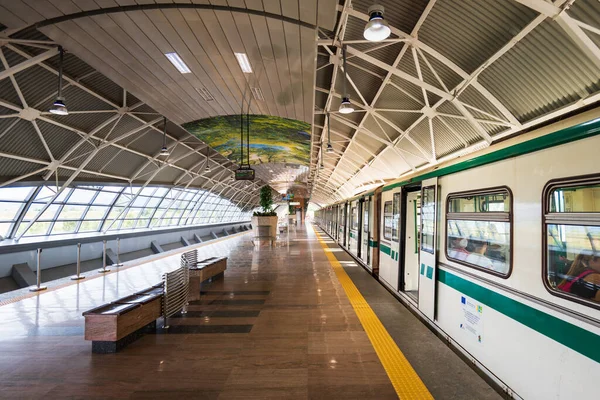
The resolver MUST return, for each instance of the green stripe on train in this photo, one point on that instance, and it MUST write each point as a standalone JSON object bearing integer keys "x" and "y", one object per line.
{"x": 572, "y": 336}
{"x": 557, "y": 138}
{"x": 385, "y": 249}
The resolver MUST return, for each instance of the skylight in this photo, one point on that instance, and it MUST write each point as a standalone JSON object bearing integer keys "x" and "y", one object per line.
{"x": 178, "y": 63}
{"x": 244, "y": 62}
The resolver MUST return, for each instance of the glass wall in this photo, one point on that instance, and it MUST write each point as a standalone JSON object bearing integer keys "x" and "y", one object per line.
{"x": 87, "y": 209}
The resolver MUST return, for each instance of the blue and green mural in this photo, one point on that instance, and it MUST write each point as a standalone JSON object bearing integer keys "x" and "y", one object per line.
{"x": 272, "y": 139}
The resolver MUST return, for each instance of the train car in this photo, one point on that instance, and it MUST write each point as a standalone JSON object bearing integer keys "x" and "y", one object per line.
{"x": 499, "y": 252}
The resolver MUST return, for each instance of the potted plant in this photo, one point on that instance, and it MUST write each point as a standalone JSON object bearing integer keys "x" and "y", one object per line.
{"x": 264, "y": 223}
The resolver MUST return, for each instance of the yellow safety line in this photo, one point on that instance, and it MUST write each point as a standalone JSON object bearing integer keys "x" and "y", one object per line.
{"x": 406, "y": 382}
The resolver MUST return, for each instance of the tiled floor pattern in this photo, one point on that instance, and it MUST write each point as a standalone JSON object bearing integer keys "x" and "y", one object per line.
{"x": 279, "y": 325}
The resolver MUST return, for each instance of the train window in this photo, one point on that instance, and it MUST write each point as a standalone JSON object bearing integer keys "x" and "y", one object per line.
{"x": 354, "y": 219}
{"x": 572, "y": 239}
{"x": 428, "y": 219}
{"x": 478, "y": 230}
{"x": 366, "y": 217}
{"x": 387, "y": 220}
{"x": 396, "y": 216}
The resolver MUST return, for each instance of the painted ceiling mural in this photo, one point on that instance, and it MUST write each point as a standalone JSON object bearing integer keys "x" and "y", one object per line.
{"x": 272, "y": 139}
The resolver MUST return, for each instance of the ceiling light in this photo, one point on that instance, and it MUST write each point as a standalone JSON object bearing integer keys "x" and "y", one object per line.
{"x": 178, "y": 63}
{"x": 346, "y": 106}
{"x": 329, "y": 148}
{"x": 59, "y": 107}
{"x": 164, "y": 151}
{"x": 206, "y": 95}
{"x": 377, "y": 29}
{"x": 244, "y": 62}
{"x": 257, "y": 94}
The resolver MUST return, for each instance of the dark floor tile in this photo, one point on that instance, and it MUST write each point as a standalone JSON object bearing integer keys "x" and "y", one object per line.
{"x": 196, "y": 329}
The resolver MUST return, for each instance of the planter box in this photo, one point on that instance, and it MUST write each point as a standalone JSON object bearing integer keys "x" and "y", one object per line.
{"x": 259, "y": 225}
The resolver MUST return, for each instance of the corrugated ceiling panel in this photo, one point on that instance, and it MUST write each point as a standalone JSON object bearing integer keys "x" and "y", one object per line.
{"x": 392, "y": 97}
{"x": 447, "y": 29}
{"x": 23, "y": 140}
{"x": 12, "y": 168}
{"x": 535, "y": 78}
{"x": 401, "y": 119}
{"x": 125, "y": 164}
{"x": 475, "y": 99}
{"x": 37, "y": 84}
{"x": 59, "y": 140}
{"x": 411, "y": 153}
{"x": 463, "y": 128}
{"x": 445, "y": 141}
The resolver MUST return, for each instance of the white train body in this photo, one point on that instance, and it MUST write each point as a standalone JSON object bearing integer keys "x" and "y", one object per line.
{"x": 531, "y": 339}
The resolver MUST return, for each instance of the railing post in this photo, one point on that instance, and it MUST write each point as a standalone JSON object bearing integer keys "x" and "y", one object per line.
{"x": 118, "y": 264}
{"x": 78, "y": 276}
{"x": 39, "y": 286}
{"x": 104, "y": 269}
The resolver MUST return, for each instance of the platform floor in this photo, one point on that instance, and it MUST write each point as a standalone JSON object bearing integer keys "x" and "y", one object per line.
{"x": 279, "y": 325}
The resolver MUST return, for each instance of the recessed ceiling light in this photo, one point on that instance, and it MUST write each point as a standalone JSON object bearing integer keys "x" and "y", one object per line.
{"x": 257, "y": 93}
{"x": 206, "y": 95}
{"x": 244, "y": 62}
{"x": 178, "y": 63}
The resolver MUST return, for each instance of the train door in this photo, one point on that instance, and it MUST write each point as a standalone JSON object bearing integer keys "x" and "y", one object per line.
{"x": 342, "y": 226}
{"x": 353, "y": 236}
{"x": 389, "y": 243}
{"x": 427, "y": 252}
{"x": 410, "y": 250}
{"x": 365, "y": 254}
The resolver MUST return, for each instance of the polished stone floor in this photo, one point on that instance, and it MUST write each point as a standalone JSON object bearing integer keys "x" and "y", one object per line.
{"x": 279, "y": 325}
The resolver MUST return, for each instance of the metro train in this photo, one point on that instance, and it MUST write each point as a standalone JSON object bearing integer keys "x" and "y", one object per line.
{"x": 499, "y": 253}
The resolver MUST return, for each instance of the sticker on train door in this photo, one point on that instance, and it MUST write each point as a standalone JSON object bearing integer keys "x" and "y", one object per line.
{"x": 472, "y": 318}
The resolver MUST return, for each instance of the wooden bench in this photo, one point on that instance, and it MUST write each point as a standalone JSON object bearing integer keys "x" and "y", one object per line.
{"x": 113, "y": 326}
{"x": 202, "y": 271}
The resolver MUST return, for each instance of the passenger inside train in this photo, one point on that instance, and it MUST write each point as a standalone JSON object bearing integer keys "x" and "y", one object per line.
{"x": 583, "y": 278}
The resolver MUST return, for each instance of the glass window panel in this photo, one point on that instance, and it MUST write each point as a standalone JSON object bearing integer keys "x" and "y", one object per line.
{"x": 428, "y": 219}
{"x": 37, "y": 207}
{"x": 133, "y": 213}
{"x": 71, "y": 212}
{"x": 5, "y": 229}
{"x": 177, "y": 213}
{"x": 396, "y": 216}
{"x": 153, "y": 202}
{"x": 96, "y": 212}
{"x": 89, "y": 226}
{"x": 484, "y": 244}
{"x": 123, "y": 200}
{"x": 575, "y": 199}
{"x": 160, "y": 192}
{"x": 9, "y": 211}
{"x": 105, "y": 198}
{"x": 115, "y": 226}
{"x": 146, "y": 213}
{"x": 148, "y": 191}
{"x": 15, "y": 193}
{"x": 37, "y": 229}
{"x": 81, "y": 196}
{"x": 573, "y": 260}
{"x": 142, "y": 223}
{"x": 140, "y": 201}
{"x": 114, "y": 213}
{"x": 64, "y": 227}
{"x": 387, "y": 220}
{"x": 488, "y": 202}
{"x": 129, "y": 224}
{"x": 116, "y": 189}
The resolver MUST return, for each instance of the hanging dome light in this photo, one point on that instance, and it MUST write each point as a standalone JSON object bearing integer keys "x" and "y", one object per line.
{"x": 329, "y": 148}
{"x": 207, "y": 169}
{"x": 59, "y": 107}
{"x": 164, "y": 151}
{"x": 346, "y": 106}
{"x": 377, "y": 29}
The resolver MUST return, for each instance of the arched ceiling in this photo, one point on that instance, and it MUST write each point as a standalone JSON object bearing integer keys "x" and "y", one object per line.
{"x": 454, "y": 77}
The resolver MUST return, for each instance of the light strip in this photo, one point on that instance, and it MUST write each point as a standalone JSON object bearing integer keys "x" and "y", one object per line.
{"x": 244, "y": 62}
{"x": 178, "y": 63}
